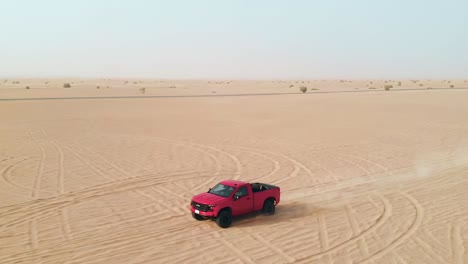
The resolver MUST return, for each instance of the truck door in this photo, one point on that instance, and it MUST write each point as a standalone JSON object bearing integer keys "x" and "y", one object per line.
{"x": 243, "y": 201}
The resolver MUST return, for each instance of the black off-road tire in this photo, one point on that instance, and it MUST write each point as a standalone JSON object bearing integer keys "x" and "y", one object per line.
{"x": 224, "y": 219}
{"x": 197, "y": 217}
{"x": 269, "y": 207}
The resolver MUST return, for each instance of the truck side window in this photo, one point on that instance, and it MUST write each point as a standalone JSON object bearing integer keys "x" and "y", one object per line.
{"x": 242, "y": 192}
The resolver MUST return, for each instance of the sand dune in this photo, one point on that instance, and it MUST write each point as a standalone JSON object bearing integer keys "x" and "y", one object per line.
{"x": 376, "y": 177}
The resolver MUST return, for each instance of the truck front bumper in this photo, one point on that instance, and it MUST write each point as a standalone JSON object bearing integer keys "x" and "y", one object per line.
{"x": 209, "y": 214}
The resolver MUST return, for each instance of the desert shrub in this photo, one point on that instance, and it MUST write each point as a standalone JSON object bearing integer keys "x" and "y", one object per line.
{"x": 291, "y": 86}
{"x": 303, "y": 89}
{"x": 142, "y": 90}
{"x": 66, "y": 85}
{"x": 172, "y": 86}
{"x": 388, "y": 87}
{"x": 399, "y": 84}
{"x": 429, "y": 88}
{"x": 452, "y": 86}
{"x": 27, "y": 87}
{"x": 98, "y": 87}
{"x": 135, "y": 82}
{"x": 372, "y": 88}
{"x": 421, "y": 84}
{"x": 314, "y": 89}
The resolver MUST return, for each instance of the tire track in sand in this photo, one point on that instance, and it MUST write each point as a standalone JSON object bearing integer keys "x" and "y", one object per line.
{"x": 35, "y": 193}
{"x": 96, "y": 168}
{"x": 6, "y": 175}
{"x": 458, "y": 250}
{"x": 128, "y": 174}
{"x": 14, "y": 215}
{"x": 239, "y": 254}
{"x": 386, "y": 214}
{"x": 419, "y": 210}
{"x": 355, "y": 227}
{"x": 64, "y": 216}
{"x": 210, "y": 155}
{"x": 275, "y": 249}
{"x": 297, "y": 165}
{"x": 199, "y": 148}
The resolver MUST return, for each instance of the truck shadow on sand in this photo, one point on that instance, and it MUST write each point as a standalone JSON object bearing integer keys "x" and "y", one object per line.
{"x": 285, "y": 212}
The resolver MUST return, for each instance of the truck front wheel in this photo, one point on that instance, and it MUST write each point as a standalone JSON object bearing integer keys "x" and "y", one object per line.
{"x": 224, "y": 219}
{"x": 269, "y": 207}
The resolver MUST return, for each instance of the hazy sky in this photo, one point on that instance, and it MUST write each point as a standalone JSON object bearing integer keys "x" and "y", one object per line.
{"x": 234, "y": 39}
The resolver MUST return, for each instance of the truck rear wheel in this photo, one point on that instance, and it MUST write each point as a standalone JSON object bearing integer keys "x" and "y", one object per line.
{"x": 197, "y": 217}
{"x": 224, "y": 219}
{"x": 269, "y": 207}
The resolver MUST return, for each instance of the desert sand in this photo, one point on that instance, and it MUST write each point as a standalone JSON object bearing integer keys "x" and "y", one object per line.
{"x": 366, "y": 177}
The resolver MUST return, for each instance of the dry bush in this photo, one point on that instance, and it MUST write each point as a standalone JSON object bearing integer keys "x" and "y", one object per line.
{"x": 27, "y": 87}
{"x": 66, "y": 85}
{"x": 291, "y": 86}
{"x": 399, "y": 84}
{"x": 388, "y": 87}
{"x": 452, "y": 86}
{"x": 429, "y": 88}
{"x": 303, "y": 89}
{"x": 142, "y": 90}
{"x": 172, "y": 86}
{"x": 98, "y": 87}
{"x": 421, "y": 84}
{"x": 372, "y": 88}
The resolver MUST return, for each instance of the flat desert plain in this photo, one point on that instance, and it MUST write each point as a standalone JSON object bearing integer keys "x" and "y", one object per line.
{"x": 366, "y": 177}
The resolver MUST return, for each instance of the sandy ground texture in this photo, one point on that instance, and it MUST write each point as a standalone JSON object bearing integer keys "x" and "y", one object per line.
{"x": 375, "y": 177}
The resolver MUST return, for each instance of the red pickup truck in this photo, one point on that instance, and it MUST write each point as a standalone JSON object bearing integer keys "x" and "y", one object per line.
{"x": 233, "y": 198}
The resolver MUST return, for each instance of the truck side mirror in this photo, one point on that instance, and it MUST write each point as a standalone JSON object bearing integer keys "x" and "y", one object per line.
{"x": 209, "y": 189}
{"x": 236, "y": 197}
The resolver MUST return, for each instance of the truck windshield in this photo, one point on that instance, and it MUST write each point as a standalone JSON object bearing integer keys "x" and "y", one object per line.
{"x": 222, "y": 190}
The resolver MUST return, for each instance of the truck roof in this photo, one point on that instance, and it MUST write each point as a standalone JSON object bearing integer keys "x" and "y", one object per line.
{"x": 233, "y": 183}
